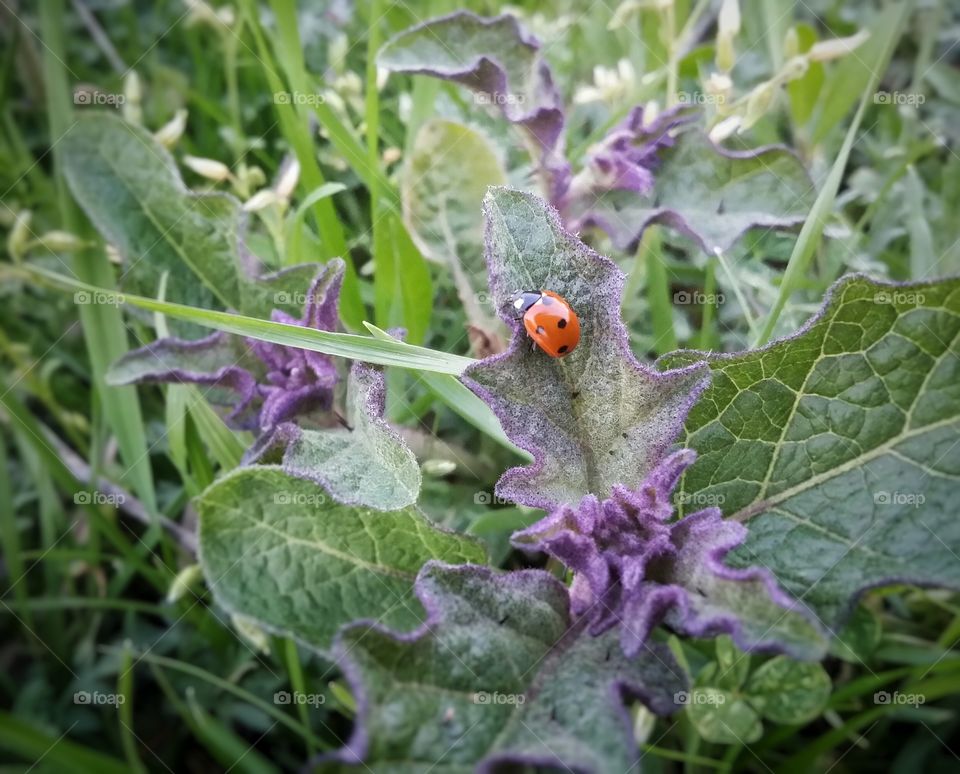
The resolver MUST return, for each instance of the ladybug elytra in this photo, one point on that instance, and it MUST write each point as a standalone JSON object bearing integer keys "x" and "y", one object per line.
{"x": 550, "y": 321}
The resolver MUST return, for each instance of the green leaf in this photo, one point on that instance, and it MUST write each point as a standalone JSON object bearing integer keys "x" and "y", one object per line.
{"x": 839, "y": 445}
{"x": 787, "y": 691}
{"x": 722, "y": 716}
{"x": 280, "y": 551}
{"x": 404, "y": 289}
{"x": 444, "y": 182}
{"x": 710, "y": 194}
{"x": 497, "y": 674}
{"x": 596, "y": 417}
{"x": 859, "y": 637}
{"x": 367, "y": 463}
{"x": 733, "y": 665}
{"x": 130, "y": 187}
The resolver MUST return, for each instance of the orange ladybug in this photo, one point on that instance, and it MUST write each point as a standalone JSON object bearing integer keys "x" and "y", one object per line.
{"x": 550, "y": 321}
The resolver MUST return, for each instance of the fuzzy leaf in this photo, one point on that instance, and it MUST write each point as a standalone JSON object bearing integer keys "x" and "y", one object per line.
{"x": 710, "y": 194}
{"x": 596, "y": 417}
{"x": 278, "y": 549}
{"x": 496, "y": 675}
{"x": 840, "y": 445}
{"x": 497, "y": 59}
{"x": 129, "y": 186}
{"x": 366, "y": 464}
{"x": 446, "y": 176}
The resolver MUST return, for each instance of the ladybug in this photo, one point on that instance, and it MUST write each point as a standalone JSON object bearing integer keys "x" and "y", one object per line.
{"x": 550, "y": 321}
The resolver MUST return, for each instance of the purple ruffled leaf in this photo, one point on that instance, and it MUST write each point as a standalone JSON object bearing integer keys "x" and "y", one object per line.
{"x": 635, "y": 569}
{"x": 597, "y": 417}
{"x": 501, "y": 62}
{"x": 489, "y": 677}
{"x": 708, "y": 193}
{"x": 264, "y": 384}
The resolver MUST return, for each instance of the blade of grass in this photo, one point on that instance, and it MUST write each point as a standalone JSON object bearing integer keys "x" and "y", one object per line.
{"x": 658, "y": 292}
{"x": 294, "y": 123}
{"x": 128, "y": 737}
{"x": 104, "y": 333}
{"x": 894, "y": 20}
{"x": 57, "y": 752}
{"x": 349, "y": 345}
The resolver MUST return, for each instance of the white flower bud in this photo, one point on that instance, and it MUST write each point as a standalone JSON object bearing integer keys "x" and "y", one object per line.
{"x": 170, "y": 133}
{"x": 833, "y": 49}
{"x": 288, "y": 178}
{"x": 208, "y": 168}
{"x": 261, "y": 200}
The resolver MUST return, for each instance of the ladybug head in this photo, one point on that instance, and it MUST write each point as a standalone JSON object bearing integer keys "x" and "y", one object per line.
{"x": 523, "y": 300}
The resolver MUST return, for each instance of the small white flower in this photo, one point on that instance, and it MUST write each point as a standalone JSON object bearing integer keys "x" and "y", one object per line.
{"x": 208, "y": 168}
{"x": 261, "y": 200}
{"x": 169, "y": 134}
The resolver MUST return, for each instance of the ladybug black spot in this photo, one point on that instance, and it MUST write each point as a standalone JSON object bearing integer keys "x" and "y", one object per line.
{"x": 563, "y": 349}
{"x": 561, "y": 323}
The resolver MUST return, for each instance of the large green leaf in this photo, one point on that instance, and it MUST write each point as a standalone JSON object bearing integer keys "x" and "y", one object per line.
{"x": 130, "y": 187}
{"x": 279, "y": 550}
{"x": 498, "y": 674}
{"x": 840, "y": 446}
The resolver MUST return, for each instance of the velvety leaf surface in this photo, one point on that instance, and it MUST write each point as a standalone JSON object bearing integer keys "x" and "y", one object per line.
{"x": 706, "y": 192}
{"x": 500, "y": 61}
{"x": 596, "y": 417}
{"x": 279, "y": 550}
{"x": 443, "y": 185}
{"x": 367, "y": 463}
{"x": 496, "y": 675}
{"x": 129, "y": 186}
{"x": 840, "y": 445}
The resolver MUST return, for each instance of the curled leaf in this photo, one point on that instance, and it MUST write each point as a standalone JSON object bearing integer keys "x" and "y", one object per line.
{"x": 635, "y": 569}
